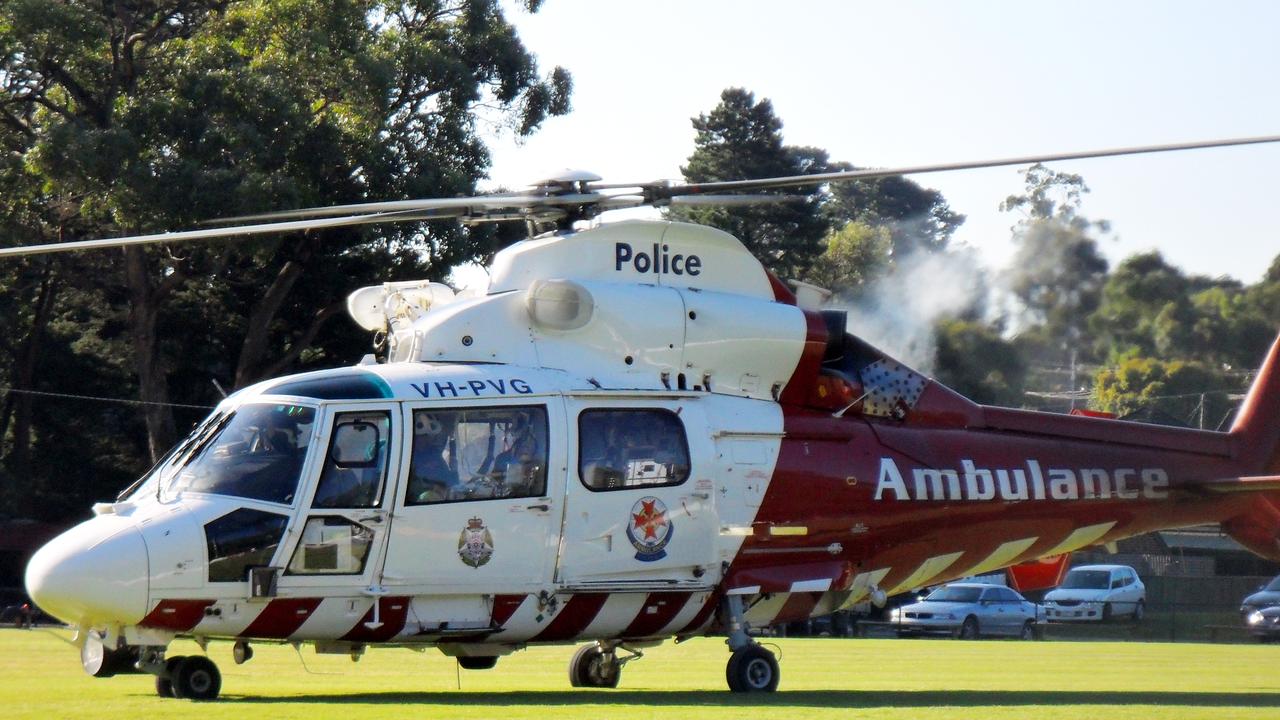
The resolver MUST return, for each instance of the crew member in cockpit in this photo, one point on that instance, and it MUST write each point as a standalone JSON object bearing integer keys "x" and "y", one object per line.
{"x": 431, "y": 478}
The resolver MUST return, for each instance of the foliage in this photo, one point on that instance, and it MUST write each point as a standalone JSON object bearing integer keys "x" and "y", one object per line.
{"x": 742, "y": 138}
{"x": 136, "y": 117}
{"x": 917, "y": 218}
{"x": 976, "y": 360}
{"x": 855, "y": 256}
{"x": 1057, "y": 272}
{"x": 1166, "y": 392}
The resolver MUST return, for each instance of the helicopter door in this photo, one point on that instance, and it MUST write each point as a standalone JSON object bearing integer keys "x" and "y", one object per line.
{"x": 340, "y": 540}
{"x": 640, "y": 508}
{"x": 479, "y": 509}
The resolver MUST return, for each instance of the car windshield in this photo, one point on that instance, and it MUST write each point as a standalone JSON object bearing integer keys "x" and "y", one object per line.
{"x": 1087, "y": 580}
{"x": 255, "y": 452}
{"x": 955, "y": 594}
{"x": 1274, "y": 585}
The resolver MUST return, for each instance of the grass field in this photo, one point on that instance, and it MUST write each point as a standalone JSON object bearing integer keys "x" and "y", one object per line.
{"x": 40, "y": 677}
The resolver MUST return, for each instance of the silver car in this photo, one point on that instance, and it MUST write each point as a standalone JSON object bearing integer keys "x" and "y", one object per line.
{"x": 969, "y": 611}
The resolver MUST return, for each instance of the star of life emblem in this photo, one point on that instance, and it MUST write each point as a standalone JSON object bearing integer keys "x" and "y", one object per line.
{"x": 475, "y": 544}
{"x": 649, "y": 529}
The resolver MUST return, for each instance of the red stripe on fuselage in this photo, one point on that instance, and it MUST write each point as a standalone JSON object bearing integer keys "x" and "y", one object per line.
{"x": 281, "y": 618}
{"x": 392, "y": 612}
{"x": 573, "y": 618}
{"x": 177, "y": 615}
{"x": 659, "y": 610}
{"x": 504, "y": 606}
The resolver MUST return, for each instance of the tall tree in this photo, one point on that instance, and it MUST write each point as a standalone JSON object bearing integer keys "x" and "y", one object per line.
{"x": 121, "y": 118}
{"x": 742, "y": 138}
{"x": 1057, "y": 272}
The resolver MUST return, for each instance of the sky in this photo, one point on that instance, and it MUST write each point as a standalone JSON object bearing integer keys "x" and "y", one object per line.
{"x": 888, "y": 84}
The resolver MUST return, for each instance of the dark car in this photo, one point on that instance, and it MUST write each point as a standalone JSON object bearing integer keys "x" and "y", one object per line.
{"x": 1267, "y": 596}
{"x": 1264, "y": 624}
{"x": 24, "y": 613}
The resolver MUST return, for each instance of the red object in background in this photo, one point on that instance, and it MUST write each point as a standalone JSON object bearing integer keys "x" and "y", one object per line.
{"x": 1093, "y": 413}
{"x": 1042, "y": 574}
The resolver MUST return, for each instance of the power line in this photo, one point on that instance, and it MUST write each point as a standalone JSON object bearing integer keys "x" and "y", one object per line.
{"x": 122, "y": 401}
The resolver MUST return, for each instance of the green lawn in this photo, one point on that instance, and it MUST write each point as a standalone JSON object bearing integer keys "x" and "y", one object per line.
{"x": 40, "y": 678}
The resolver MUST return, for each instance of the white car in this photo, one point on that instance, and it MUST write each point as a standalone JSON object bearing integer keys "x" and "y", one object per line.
{"x": 1097, "y": 593}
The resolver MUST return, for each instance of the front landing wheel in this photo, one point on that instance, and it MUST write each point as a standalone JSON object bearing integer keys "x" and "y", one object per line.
{"x": 752, "y": 669}
{"x": 593, "y": 667}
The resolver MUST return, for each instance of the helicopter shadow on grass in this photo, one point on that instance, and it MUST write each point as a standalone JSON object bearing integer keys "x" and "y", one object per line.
{"x": 796, "y": 698}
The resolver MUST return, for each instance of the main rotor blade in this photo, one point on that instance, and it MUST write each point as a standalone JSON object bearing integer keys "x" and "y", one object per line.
{"x": 667, "y": 191}
{"x": 462, "y": 204}
{"x": 732, "y": 200}
{"x": 211, "y": 233}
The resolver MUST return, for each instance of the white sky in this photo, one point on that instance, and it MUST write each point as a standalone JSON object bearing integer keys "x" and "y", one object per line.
{"x": 908, "y": 82}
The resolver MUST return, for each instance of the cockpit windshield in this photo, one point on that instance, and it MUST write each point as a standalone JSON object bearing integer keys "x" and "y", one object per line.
{"x": 255, "y": 452}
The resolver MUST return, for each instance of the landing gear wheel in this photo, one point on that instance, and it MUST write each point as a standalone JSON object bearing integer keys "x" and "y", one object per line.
{"x": 969, "y": 629}
{"x": 164, "y": 681}
{"x": 196, "y": 678}
{"x": 477, "y": 662}
{"x": 591, "y": 666}
{"x": 752, "y": 669}
{"x": 1139, "y": 611}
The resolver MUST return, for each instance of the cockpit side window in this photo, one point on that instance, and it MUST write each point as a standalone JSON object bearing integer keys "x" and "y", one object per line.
{"x": 631, "y": 448}
{"x": 256, "y": 453}
{"x": 355, "y": 468}
{"x": 478, "y": 454}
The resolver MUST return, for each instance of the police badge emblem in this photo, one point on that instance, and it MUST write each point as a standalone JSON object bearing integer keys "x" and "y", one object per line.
{"x": 475, "y": 544}
{"x": 649, "y": 529}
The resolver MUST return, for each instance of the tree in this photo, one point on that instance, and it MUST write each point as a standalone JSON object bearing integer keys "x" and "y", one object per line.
{"x": 742, "y": 139}
{"x": 974, "y": 359}
{"x": 1167, "y": 392}
{"x": 135, "y": 117}
{"x": 1057, "y": 272}
{"x": 917, "y": 218}
{"x": 855, "y": 256}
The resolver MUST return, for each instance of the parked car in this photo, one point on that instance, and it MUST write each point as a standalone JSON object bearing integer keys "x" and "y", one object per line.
{"x": 969, "y": 611}
{"x": 1264, "y": 623}
{"x": 1267, "y": 596}
{"x": 1097, "y": 593}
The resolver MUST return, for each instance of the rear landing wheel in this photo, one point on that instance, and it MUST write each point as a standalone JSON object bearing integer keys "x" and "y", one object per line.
{"x": 752, "y": 669}
{"x": 593, "y": 667}
{"x": 196, "y": 678}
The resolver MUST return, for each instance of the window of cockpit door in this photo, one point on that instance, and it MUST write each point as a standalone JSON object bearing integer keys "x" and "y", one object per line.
{"x": 353, "y": 479}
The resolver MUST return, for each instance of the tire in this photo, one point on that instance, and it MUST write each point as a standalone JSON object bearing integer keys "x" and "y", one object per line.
{"x": 164, "y": 687}
{"x": 478, "y": 662}
{"x": 1139, "y": 611}
{"x": 196, "y": 678}
{"x": 1107, "y": 613}
{"x": 590, "y": 668}
{"x": 752, "y": 669}
{"x": 164, "y": 681}
{"x": 969, "y": 629}
{"x": 1028, "y": 631}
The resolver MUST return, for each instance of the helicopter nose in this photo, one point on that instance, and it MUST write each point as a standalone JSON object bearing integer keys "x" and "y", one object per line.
{"x": 93, "y": 573}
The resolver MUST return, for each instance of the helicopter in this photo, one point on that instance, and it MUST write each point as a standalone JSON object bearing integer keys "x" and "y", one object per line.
{"x": 636, "y": 433}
